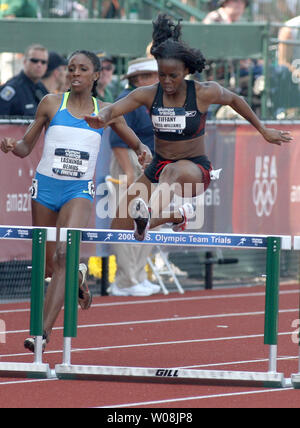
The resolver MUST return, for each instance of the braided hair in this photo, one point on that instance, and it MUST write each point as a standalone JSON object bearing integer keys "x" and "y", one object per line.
{"x": 167, "y": 44}
{"x": 96, "y": 63}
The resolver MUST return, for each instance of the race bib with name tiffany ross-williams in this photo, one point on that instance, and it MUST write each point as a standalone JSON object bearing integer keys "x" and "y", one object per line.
{"x": 166, "y": 119}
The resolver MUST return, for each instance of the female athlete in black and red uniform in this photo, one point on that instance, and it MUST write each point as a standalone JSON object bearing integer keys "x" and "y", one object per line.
{"x": 178, "y": 110}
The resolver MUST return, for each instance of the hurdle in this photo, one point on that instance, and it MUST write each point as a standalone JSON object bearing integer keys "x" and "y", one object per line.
{"x": 295, "y": 377}
{"x": 39, "y": 237}
{"x": 273, "y": 246}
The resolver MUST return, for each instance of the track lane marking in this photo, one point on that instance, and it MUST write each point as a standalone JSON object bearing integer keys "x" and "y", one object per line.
{"x": 161, "y": 320}
{"x": 199, "y": 397}
{"x": 138, "y": 345}
{"x": 169, "y": 300}
{"x": 16, "y": 382}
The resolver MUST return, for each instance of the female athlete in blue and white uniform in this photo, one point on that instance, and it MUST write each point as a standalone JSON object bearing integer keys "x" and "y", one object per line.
{"x": 62, "y": 190}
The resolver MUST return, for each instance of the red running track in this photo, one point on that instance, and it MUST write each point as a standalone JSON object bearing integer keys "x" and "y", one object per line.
{"x": 217, "y": 329}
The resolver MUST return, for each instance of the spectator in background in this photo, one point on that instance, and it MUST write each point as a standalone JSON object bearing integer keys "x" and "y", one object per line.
{"x": 21, "y": 95}
{"x": 18, "y": 9}
{"x": 111, "y": 9}
{"x": 131, "y": 277}
{"x": 229, "y": 11}
{"x": 285, "y": 76}
{"x": 55, "y": 78}
{"x": 67, "y": 9}
{"x": 105, "y": 79}
{"x": 289, "y": 52}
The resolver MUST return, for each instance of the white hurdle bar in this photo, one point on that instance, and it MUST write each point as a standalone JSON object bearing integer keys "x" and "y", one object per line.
{"x": 295, "y": 378}
{"x": 36, "y": 369}
{"x": 66, "y": 370}
{"x": 169, "y": 375}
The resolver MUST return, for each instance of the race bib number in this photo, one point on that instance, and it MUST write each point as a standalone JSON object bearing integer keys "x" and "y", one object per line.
{"x": 169, "y": 119}
{"x": 91, "y": 188}
{"x": 70, "y": 163}
{"x": 34, "y": 189}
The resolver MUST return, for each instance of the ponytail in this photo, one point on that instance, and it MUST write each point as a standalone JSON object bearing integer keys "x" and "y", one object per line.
{"x": 167, "y": 44}
{"x": 94, "y": 89}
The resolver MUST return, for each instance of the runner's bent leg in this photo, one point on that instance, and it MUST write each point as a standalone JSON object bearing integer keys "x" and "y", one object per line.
{"x": 141, "y": 188}
{"x": 75, "y": 213}
{"x": 185, "y": 179}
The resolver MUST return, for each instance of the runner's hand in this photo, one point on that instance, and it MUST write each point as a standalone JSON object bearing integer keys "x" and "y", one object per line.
{"x": 95, "y": 122}
{"x": 145, "y": 157}
{"x": 274, "y": 136}
{"x": 8, "y": 144}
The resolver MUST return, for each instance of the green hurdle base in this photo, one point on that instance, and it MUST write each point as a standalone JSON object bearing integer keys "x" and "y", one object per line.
{"x": 177, "y": 376}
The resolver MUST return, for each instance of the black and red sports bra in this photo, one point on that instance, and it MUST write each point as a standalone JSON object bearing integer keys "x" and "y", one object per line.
{"x": 178, "y": 123}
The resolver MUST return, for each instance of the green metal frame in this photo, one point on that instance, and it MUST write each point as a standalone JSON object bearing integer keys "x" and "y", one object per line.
{"x": 272, "y": 290}
{"x": 39, "y": 238}
{"x": 125, "y": 39}
{"x": 71, "y": 293}
{"x": 129, "y": 38}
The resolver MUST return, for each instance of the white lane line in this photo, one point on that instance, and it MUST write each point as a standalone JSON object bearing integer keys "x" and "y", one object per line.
{"x": 233, "y": 363}
{"x": 140, "y": 345}
{"x": 199, "y": 397}
{"x": 169, "y": 300}
{"x": 161, "y": 320}
{"x": 17, "y": 382}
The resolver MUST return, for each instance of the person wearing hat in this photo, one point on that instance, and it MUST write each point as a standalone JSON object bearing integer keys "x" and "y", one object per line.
{"x": 55, "y": 77}
{"x": 130, "y": 277}
{"x": 228, "y": 11}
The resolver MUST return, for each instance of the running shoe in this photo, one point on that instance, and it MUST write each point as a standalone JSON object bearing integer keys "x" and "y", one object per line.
{"x": 139, "y": 290}
{"x": 187, "y": 212}
{"x": 29, "y": 343}
{"x": 84, "y": 295}
{"x": 140, "y": 213}
{"x": 155, "y": 288}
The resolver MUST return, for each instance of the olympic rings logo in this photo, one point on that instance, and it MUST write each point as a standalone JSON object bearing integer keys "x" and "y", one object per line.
{"x": 264, "y": 194}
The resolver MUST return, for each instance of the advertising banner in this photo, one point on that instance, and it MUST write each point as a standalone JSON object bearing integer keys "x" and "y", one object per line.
{"x": 220, "y": 148}
{"x": 15, "y": 203}
{"x": 293, "y": 185}
{"x": 266, "y": 183}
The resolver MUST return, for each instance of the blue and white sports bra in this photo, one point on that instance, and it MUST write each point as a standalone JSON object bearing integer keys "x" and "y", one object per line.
{"x": 71, "y": 147}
